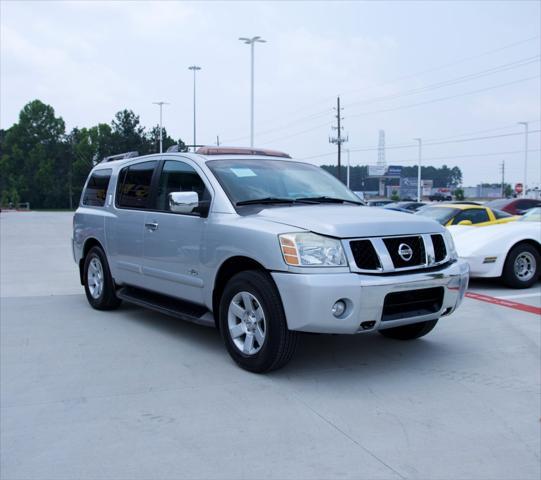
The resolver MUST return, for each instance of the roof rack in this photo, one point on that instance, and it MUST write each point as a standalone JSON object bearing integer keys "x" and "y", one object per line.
{"x": 241, "y": 151}
{"x": 120, "y": 156}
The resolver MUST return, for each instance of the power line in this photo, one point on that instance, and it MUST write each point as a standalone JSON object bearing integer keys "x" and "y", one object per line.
{"x": 441, "y": 99}
{"x": 402, "y": 107}
{"x": 428, "y": 143}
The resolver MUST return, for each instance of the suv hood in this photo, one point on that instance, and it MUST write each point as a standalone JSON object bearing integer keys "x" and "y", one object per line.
{"x": 349, "y": 221}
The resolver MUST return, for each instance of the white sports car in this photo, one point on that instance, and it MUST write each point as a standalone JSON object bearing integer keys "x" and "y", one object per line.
{"x": 511, "y": 251}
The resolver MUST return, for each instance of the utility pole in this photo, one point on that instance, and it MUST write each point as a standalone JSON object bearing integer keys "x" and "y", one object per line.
{"x": 524, "y": 186}
{"x": 339, "y": 139}
{"x": 419, "y": 171}
{"x": 348, "y": 167}
{"x": 217, "y": 140}
{"x": 252, "y": 41}
{"x": 161, "y": 104}
{"x": 502, "y": 169}
{"x": 194, "y": 68}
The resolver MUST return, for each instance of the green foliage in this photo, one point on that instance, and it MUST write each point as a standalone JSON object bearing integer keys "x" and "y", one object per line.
{"x": 459, "y": 194}
{"x": 42, "y": 164}
{"x": 394, "y": 196}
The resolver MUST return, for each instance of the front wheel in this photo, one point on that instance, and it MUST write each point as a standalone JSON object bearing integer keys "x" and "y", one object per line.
{"x": 253, "y": 323}
{"x": 409, "y": 332}
{"x": 521, "y": 268}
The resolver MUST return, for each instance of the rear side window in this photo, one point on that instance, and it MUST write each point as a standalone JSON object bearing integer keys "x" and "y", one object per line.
{"x": 500, "y": 213}
{"x": 96, "y": 188}
{"x": 134, "y": 185}
{"x": 474, "y": 215}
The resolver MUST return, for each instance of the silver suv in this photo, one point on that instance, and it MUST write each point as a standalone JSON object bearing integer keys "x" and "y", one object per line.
{"x": 262, "y": 247}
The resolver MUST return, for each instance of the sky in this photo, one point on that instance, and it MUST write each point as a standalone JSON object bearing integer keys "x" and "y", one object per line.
{"x": 459, "y": 75}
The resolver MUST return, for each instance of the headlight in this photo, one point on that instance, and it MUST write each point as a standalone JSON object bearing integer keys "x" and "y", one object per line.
{"x": 450, "y": 244}
{"x": 311, "y": 250}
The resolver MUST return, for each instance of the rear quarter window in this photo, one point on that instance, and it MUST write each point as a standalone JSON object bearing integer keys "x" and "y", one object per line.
{"x": 96, "y": 188}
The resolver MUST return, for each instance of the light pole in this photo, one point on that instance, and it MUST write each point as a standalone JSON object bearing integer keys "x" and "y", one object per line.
{"x": 419, "y": 171}
{"x": 161, "y": 104}
{"x": 524, "y": 187}
{"x": 194, "y": 68}
{"x": 347, "y": 174}
{"x": 252, "y": 41}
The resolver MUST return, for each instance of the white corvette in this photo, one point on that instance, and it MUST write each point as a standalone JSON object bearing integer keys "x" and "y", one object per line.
{"x": 511, "y": 251}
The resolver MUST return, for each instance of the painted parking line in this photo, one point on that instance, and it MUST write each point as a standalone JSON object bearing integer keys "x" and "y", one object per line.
{"x": 504, "y": 303}
{"x": 522, "y": 295}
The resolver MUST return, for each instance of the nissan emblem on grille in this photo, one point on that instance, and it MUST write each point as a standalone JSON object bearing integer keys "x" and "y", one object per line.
{"x": 405, "y": 252}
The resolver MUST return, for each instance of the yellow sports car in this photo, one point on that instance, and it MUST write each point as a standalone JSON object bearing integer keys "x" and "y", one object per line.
{"x": 466, "y": 214}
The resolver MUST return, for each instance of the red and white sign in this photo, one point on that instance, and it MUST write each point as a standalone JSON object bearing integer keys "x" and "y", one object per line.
{"x": 518, "y": 187}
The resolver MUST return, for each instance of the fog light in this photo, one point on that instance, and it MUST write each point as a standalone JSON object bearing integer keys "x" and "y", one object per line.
{"x": 338, "y": 308}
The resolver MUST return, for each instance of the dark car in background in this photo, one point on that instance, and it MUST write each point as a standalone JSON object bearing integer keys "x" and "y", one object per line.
{"x": 514, "y": 206}
{"x": 440, "y": 197}
{"x": 410, "y": 206}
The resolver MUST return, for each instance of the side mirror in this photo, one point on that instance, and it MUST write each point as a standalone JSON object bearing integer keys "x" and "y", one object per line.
{"x": 465, "y": 222}
{"x": 183, "y": 202}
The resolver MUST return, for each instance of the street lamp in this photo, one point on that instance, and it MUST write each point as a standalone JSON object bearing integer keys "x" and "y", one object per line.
{"x": 252, "y": 41}
{"x": 161, "y": 104}
{"x": 194, "y": 68}
{"x": 524, "y": 189}
{"x": 419, "y": 171}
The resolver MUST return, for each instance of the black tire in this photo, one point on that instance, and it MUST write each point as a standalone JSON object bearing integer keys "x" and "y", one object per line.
{"x": 409, "y": 332}
{"x": 279, "y": 342}
{"x": 106, "y": 298}
{"x": 525, "y": 251}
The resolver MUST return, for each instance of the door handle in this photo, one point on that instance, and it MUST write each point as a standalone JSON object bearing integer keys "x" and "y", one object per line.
{"x": 152, "y": 226}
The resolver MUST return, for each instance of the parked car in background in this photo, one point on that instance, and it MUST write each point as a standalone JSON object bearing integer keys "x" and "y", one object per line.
{"x": 465, "y": 214}
{"x": 396, "y": 208}
{"x": 511, "y": 251}
{"x": 412, "y": 206}
{"x": 262, "y": 247}
{"x": 378, "y": 203}
{"x": 514, "y": 206}
{"x": 440, "y": 197}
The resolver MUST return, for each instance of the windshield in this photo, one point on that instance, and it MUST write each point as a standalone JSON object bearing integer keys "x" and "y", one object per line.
{"x": 277, "y": 181}
{"x": 533, "y": 215}
{"x": 440, "y": 214}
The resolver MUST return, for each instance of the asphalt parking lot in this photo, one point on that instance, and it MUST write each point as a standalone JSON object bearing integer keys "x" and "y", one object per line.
{"x": 132, "y": 394}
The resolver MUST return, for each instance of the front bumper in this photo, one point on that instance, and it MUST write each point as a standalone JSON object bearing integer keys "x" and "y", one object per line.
{"x": 308, "y": 298}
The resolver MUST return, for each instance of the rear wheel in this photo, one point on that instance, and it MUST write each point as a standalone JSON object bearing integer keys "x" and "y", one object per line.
{"x": 99, "y": 285}
{"x": 253, "y": 323}
{"x": 521, "y": 268}
{"x": 409, "y": 332}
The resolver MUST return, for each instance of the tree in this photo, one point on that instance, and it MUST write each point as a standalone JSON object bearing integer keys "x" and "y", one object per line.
{"x": 128, "y": 134}
{"x": 33, "y": 165}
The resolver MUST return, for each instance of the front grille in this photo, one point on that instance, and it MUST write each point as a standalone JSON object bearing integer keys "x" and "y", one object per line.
{"x": 412, "y": 248}
{"x": 412, "y": 303}
{"x": 440, "y": 252}
{"x": 365, "y": 255}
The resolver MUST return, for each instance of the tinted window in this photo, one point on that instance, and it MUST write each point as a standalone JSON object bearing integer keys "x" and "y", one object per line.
{"x": 474, "y": 215}
{"x": 96, "y": 188}
{"x": 440, "y": 214}
{"x": 527, "y": 204}
{"x": 179, "y": 177}
{"x": 500, "y": 213}
{"x": 134, "y": 185}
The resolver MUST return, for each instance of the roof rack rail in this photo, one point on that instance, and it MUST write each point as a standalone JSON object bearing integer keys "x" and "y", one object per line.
{"x": 120, "y": 156}
{"x": 241, "y": 151}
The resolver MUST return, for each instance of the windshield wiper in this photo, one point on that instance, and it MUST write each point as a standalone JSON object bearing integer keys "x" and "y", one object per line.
{"x": 256, "y": 201}
{"x": 328, "y": 200}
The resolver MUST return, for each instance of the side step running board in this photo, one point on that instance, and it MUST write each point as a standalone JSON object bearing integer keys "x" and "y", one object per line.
{"x": 187, "y": 311}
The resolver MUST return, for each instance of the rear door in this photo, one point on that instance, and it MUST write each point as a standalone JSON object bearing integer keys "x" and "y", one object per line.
{"x": 126, "y": 228}
{"x": 174, "y": 243}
